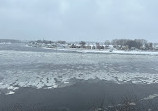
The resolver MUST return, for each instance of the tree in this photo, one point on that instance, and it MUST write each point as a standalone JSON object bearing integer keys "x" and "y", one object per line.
{"x": 131, "y": 43}
{"x": 149, "y": 46}
{"x": 61, "y": 42}
{"x": 107, "y": 42}
{"x": 82, "y": 43}
{"x": 121, "y": 42}
{"x": 140, "y": 43}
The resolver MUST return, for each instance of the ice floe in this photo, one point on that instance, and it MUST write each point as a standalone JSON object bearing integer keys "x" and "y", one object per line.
{"x": 150, "y": 97}
{"x": 53, "y": 70}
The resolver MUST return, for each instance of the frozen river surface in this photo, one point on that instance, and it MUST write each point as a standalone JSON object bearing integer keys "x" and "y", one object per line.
{"x": 22, "y": 66}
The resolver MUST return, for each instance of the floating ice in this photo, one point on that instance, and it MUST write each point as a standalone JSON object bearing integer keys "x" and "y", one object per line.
{"x": 151, "y": 97}
{"x": 10, "y": 93}
{"x": 53, "y": 70}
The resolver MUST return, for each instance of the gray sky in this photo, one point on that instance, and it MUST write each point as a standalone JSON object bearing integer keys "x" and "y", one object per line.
{"x": 75, "y": 20}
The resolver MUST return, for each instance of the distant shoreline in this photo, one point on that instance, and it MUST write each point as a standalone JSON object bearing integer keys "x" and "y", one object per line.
{"x": 96, "y": 51}
{"x": 101, "y": 51}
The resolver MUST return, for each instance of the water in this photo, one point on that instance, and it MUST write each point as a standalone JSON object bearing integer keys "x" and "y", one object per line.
{"x": 57, "y": 80}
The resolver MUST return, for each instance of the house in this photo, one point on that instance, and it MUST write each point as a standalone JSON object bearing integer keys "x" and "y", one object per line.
{"x": 88, "y": 47}
{"x": 155, "y": 46}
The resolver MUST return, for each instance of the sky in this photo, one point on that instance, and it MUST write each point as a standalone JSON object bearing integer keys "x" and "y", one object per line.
{"x": 76, "y": 20}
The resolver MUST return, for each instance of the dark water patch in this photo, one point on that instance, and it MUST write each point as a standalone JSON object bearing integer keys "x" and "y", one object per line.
{"x": 79, "y": 97}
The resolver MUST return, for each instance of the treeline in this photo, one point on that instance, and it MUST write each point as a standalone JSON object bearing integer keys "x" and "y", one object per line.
{"x": 126, "y": 44}
{"x": 120, "y": 44}
{"x": 48, "y": 41}
{"x": 132, "y": 44}
{"x": 9, "y": 40}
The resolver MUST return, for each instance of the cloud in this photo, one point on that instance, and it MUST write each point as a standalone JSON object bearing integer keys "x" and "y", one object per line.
{"x": 104, "y": 6}
{"x": 64, "y": 6}
{"x": 78, "y": 19}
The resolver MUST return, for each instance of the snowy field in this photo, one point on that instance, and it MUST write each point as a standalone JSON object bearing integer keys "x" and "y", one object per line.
{"x": 56, "y": 69}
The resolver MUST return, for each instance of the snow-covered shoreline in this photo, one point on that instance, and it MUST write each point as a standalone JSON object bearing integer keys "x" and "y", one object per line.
{"x": 104, "y": 51}
{"x": 134, "y": 52}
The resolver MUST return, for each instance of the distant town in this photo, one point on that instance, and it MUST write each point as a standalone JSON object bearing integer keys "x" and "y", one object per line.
{"x": 118, "y": 44}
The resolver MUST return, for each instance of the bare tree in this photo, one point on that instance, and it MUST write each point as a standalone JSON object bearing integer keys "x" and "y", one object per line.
{"x": 107, "y": 42}
{"x": 82, "y": 43}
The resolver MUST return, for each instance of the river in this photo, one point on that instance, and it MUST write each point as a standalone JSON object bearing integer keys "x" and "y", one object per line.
{"x": 50, "y": 80}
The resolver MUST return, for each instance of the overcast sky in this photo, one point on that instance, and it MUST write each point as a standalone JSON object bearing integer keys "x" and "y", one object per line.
{"x": 75, "y": 20}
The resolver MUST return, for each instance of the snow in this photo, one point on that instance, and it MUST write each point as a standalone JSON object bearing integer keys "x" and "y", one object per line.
{"x": 10, "y": 93}
{"x": 150, "y": 97}
{"x": 53, "y": 70}
{"x": 133, "y": 52}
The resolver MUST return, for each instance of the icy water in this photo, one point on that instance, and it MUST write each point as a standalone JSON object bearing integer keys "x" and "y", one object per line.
{"x": 54, "y": 80}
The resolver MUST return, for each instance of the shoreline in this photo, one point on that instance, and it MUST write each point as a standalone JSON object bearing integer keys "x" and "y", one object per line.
{"x": 103, "y": 51}
{"x": 150, "y": 53}
{"x": 108, "y": 52}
